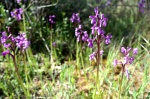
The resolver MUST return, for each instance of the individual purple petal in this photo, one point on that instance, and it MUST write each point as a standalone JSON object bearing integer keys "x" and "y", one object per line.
{"x": 20, "y": 10}
{"x": 115, "y": 63}
{"x": 6, "y": 45}
{"x": 84, "y": 36}
{"x": 123, "y": 50}
{"x": 80, "y": 26}
{"x": 135, "y": 51}
{"x": 125, "y": 60}
{"x": 127, "y": 73}
{"x": 90, "y": 43}
{"x": 12, "y": 39}
{"x": 107, "y": 39}
{"x": 102, "y": 16}
{"x": 76, "y": 32}
{"x": 96, "y": 11}
{"x": 100, "y": 31}
{"x": 101, "y": 52}
{"x": 3, "y": 40}
{"x": 92, "y": 56}
{"x": 131, "y": 59}
{"x": 93, "y": 30}
{"x": 4, "y": 34}
{"x": 128, "y": 49}
{"x": 54, "y": 44}
{"x": 93, "y": 19}
{"x": 104, "y": 22}
{"x": 8, "y": 29}
{"x": 5, "y": 52}
{"x": 18, "y": 17}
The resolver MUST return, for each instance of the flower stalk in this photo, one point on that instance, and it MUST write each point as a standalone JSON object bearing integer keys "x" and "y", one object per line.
{"x": 98, "y": 35}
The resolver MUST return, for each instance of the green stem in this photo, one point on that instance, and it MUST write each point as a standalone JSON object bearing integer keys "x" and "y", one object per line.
{"x": 120, "y": 81}
{"x": 19, "y": 77}
{"x": 81, "y": 59}
{"x": 77, "y": 56}
{"x": 120, "y": 87}
{"x": 26, "y": 73}
{"x": 98, "y": 59}
{"x": 51, "y": 44}
{"x": 24, "y": 23}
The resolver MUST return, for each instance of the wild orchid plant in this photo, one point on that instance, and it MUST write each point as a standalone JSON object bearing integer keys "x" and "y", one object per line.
{"x": 52, "y": 22}
{"x": 11, "y": 44}
{"x": 99, "y": 21}
{"x": 81, "y": 35}
{"x": 15, "y": 44}
{"x": 127, "y": 59}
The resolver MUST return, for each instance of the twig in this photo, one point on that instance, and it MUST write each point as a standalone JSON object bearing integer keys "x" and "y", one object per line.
{"x": 45, "y": 6}
{"x": 45, "y": 44}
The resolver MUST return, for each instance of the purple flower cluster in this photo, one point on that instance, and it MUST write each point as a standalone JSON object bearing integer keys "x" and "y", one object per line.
{"x": 17, "y": 14}
{"x": 51, "y": 19}
{"x": 75, "y": 18}
{"x": 127, "y": 58}
{"x": 22, "y": 42}
{"x": 99, "y": 22}
{"x": 80, "y": 34}
{"x": 10, "y": 42}
{"x": 141, "y": 5}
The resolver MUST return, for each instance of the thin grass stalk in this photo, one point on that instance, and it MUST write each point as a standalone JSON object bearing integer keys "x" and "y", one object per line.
{"x": 26, "y": 71}
{"x": 81, "y": 59}
{"x": 24, "y": 23}
{"x": 120, "y": 81}
{"x": 77, "y": 56}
